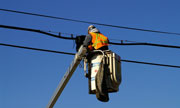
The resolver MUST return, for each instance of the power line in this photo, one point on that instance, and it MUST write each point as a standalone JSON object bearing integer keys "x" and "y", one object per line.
{"x": 37, "y": 49}
{"x": 147, "y": 44}
{"x": 37, "y": 31}
{"x": 155, "y": 64}
{"x": 59, "y": 52}
{"x": 72, "y": 38}
{"x": 88, "y": 22}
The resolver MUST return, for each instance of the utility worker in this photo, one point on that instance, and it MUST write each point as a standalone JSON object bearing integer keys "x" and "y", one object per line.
{"x": 95, "y": 40}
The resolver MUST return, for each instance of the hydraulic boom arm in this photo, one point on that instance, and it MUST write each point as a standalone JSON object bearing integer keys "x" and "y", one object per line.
{"x": 77, "y": 59}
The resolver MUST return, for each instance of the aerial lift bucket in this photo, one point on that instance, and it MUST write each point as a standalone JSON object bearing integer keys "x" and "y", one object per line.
{"x": 111, "y": 68}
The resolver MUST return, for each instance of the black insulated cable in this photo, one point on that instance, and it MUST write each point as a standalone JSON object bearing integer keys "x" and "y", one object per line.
{"x": 147, "y": 44}
{"x": 37, "y": 49}
{"x": 73, "y": 38}
{"x": 37, "y": 31}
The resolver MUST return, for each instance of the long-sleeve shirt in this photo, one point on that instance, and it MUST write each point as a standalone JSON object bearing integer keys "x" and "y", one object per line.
{"x": 87, "y": 40}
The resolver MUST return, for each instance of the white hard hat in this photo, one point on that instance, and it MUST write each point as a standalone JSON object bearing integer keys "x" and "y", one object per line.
{"x": 92, "y": 28}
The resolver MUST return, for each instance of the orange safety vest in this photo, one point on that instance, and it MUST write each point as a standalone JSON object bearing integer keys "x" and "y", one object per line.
{"x": 98, "y": 41}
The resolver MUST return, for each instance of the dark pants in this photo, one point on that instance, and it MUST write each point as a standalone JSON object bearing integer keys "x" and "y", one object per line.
{"x": 104, "y": 48}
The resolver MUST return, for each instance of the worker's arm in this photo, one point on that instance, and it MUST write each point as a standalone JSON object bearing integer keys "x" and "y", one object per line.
{"x": 87, "y": 40}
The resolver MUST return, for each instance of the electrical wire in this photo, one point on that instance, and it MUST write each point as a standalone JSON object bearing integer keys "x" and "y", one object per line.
{"x": 88, "y": 22}
{"x": 37, "y": 31}
{"x": 72, "y": 38}
{"x": 67, "y": 53}
{"x": 155, "y": 64}
{"x": 147, "y": 44}
{"x": 37, "y": 49}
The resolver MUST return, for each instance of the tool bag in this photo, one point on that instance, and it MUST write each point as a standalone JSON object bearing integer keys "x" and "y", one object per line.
{"x": 113, "y": 68}
{"x": 79, "y": 41}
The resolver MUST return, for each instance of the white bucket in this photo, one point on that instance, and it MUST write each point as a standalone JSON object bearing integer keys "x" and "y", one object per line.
{"x": 95, "y": 64}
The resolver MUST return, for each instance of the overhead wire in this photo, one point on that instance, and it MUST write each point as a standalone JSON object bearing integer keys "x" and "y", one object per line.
{"x": 129, "y": 42}
{"x": 88, "y": 22}
{"x": 37, "y": 49}
{"x": 73, "y": 38}
{"x": 147, "y": 63}
{"x": 147, "y": 44}
{"x": 67, "y": 53}
{"x": 37, "y": 31}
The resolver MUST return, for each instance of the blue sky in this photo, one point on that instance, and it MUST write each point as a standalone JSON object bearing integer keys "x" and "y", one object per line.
{"x": 29, "y": 78}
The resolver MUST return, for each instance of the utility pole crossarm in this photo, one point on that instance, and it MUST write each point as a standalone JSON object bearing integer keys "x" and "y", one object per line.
{"x": 78, "y": 57}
